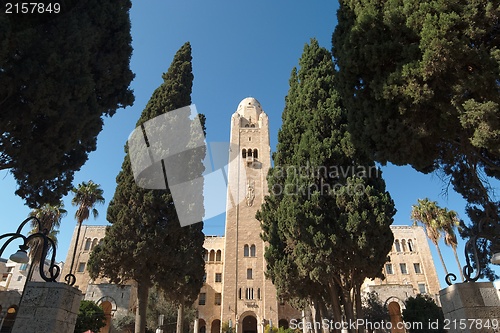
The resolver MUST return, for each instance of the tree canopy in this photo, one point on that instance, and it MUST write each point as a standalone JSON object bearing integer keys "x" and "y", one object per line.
{"x": 420, "y": 80}
{"x": 146, "y": 242}
{"x": 422, "y": 310}
{"x": 327, "y": 218}
{"x": 91, "y": 317}
{"x": 60, "y": 74}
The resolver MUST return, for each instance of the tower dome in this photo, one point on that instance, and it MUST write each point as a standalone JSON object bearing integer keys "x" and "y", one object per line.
{"x": 250, "y": 109}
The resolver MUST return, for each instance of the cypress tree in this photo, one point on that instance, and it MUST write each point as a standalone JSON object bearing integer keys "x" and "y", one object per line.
{"x": 61, "y": 73}
{"x": 145, "y": 242}
{"x": 421, "y": 82}
{"x": 327, "y": 218}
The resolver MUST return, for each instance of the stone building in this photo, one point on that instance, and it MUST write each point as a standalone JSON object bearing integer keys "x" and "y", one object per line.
{"x": 116, "y": 300}
{"x": 409, "y": 272}
{"x": 236, "y": 291}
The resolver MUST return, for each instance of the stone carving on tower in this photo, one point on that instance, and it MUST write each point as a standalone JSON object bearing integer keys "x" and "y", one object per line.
{"x": 250, "y": 192}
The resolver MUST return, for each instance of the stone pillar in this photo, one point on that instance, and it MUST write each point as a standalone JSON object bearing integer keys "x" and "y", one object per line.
{"x": 48, "y": 307}
{"x": 471, "y": 307}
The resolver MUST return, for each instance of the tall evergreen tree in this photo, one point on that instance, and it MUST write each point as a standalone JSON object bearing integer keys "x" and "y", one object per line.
{"x": 60, "y": 74}
{"x": 421, "y": 82}
{"x": 145, "y": 242}
{"x": 327, "y": 218}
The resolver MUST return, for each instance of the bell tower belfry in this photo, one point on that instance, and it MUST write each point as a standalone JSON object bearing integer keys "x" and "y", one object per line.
{"x": 249, "y": 300}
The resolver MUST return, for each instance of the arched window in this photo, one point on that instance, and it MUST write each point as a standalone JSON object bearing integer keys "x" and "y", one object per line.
{"x": 212, "y": 255}
{"x": 403, "y": 245}
{"x": 252, "y": 250}
{"x": 246, "y": 125}
{"x": 249, "y": 152}
{"x": 398, "y": 247}
{"x": 218, "y": 255}
{"x": 94, "y": 243}
{"x": 245, "y": 250}
{"x": 87, "y": 244}
{"x": 244, "y": 153}
{"x": 255, "y": 153}
{"x": 410, "y": 245}
{"x": 253, "y": 125}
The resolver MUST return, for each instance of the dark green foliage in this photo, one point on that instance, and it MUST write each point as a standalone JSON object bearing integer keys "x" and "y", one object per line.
{"x": 91, "y": 317}
{"x": 421, "y": 82}
{"x": 374, "y": 309}
{"x": 327, "y": 220}
{"x": 60, "y": 74}
{"x": 145, "y": 242}
{"x": 423, "y": 309}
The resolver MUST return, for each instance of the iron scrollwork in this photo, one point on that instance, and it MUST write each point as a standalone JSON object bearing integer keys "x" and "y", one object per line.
{"x": 487, "y": 231}
{"x": 53, "y": 270}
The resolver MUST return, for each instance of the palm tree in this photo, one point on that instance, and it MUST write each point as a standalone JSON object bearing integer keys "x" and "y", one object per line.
{"x": 86, "y": 196}
{"x": 449, "y": 221}
{"x": 426, "y": 212}
{"x": 50, "y": 217}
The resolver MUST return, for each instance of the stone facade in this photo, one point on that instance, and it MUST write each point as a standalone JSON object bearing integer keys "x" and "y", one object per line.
{"x": 241, "y": 295}
{"x": 90, "y": 236}
{"x": 410, "y": 271}
{"x": 411, "y": 263}
{"x": 116, "y": 300}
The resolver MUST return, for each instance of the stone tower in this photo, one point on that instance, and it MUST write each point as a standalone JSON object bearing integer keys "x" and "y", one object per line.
{"x": 248, "y": 299}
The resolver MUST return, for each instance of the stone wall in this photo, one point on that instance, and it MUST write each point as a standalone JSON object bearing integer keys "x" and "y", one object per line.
{"x": 471, "y": 308}
{"x": 48, "y": 307}
{"x": 90, "y": 236}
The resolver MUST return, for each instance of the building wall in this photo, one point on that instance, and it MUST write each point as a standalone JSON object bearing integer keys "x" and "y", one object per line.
{"x": 246, "y": 291}
{"x": 90, "y": 236}
{"x": 116, "y": 300}
{"x": 410, "y": 250}
{"x": 214, "y": 264}
{"x": 14, "y": 275}
{"x": 247, "y": 296}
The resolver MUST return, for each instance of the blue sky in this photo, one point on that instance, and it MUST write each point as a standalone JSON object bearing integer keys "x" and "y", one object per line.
{"x": 240, "y": 49}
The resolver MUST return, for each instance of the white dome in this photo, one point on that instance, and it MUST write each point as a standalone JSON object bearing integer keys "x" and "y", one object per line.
{"x": 253, "y": 107}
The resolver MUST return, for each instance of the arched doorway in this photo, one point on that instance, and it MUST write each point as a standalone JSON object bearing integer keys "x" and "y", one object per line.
{"x": 283, "y": 323}
{"x": 249, "y": 324}
{"x": 10, "y": 318}
{"x": 215, "y": 326}
{"x": 395, "y": 314}
{"x": 107, "y": 307}
{"x": 202, "y": 326}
